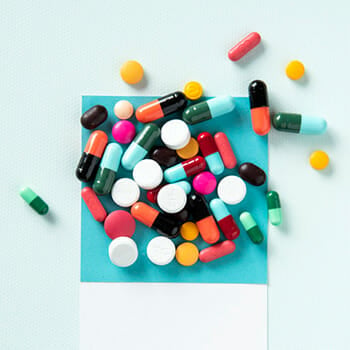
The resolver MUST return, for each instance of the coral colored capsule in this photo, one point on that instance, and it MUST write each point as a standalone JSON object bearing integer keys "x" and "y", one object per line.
{"x": 244, "y": 46}
{"x": 185, "y": 169}
{"x": 274, "y": 208}
{"x": 93, "y": 203}
{"x": 161, "y": 107}
{"x": 259, "y": 107}
{"x": 217, "y": 251}
{"x": 225, "y": 150}
{"x": 251, "y": 227}
{"x": 204, "y": 220}
{"x": 91, "y": 157}
{"x": 164, "y": 224}
{"x": 224, "y": 219}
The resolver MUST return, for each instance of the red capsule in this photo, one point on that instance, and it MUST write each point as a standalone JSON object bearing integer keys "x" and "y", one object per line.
{"x": 207, "y": 144}
{"x": 217, "y": 251}
{"x": 194, "y": 165}
{"x": 93, "y": 203}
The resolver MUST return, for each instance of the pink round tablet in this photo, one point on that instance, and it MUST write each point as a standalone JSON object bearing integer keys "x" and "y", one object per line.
{"x": 119, "y": 223}
{"x": 204, "y": 183}
{"x": 123, "y": 109}
{"x": 123, "y": 131}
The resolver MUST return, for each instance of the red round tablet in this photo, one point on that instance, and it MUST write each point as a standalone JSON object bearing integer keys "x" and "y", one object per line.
{"x": 119, "y": 223}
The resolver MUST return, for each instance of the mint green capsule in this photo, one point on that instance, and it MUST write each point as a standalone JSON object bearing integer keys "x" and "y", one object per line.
{"x": 34, "y": 200}
{"x": 251, "y": 227}
{"x": 274, "y": 208}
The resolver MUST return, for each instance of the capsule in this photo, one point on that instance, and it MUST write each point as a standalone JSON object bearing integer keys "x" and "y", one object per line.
{"x": 36, "y": 202}
{"x": 299, "y": 124}
{"x": 108, "y": 169}
{"x": 244, "y": 46}
{"x": 91, "y": 157}
{"x": 185, "y": 169}
{"x": 211, "y": 153}
{"x": 140, "y": 146}
{"x": 251, "y": 227}
{"x": 204, "y": 220}
{"x": 164, "y": 156}
{"x": 94, "y": 117}
{"x": 251, "y": 173}
{"x": 224, "y": 219}
{"x": 161, "y": 107}
{"x": 225, "y": 150}
{"x": 164, "y": 224}
{"x": 274, "y": 208}
{"x": 216, "y": 107}
{"x": 93, "y": 203}
{"x": 259, "y": 107}
{"x": 217, "y": 251}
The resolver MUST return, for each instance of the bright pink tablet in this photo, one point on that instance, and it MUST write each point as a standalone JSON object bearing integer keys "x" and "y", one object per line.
{"x": 204, "y": 183}
{"x": 93, "y": 203}
{"x": 217, "y": 251}
{"x": 225, "y": 150}
{"x": 119, "y": 223}
{"x": 123, "y": 131}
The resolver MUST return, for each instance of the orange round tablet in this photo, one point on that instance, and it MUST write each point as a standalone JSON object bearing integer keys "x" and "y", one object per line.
{"x": 187, "y": 254}
{"x": 131, "y": 72}
{"x": 190, "y": 150}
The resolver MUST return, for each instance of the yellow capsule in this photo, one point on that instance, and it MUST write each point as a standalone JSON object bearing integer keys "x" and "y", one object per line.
{"x": 319, "y": 160}
{"x": 131, "y": 72}
{"x": 189, "y": 231}
{"x": 193, "y": 90}
{"x": 295, "y": 70}
{"x": 190, "y": 150}
{"x": 187, "y": 254}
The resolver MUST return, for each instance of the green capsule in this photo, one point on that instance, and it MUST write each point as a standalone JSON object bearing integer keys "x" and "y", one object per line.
{"x": 251, "y": 227}
{"x": 34, "y": 200}
{"x": 274, "y": 208}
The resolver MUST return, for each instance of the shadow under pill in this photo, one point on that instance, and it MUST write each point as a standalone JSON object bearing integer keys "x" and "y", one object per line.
{"x": 50, "y": 217}
{"x": 142, "y": 84}
{"x": 251, "y": 56}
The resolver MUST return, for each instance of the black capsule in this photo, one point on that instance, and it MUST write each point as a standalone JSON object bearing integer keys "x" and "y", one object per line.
{"x": 94, "y": 117}
{"x": 164, "y": 156}
{"x": 198, "y": 207}
{"x": 182, "y": 215}
{"x": 253, "y": 174}
{"x": 167, "y": 225}
{"x": 258, "y": 94}
{"x": 172, "y": 103}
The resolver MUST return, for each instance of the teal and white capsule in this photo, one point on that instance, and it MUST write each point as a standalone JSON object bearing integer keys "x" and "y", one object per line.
{"x": 274, "y": 208}
{"x": 140, "y": 146}
{"x": 251, "y": 227}
{"x": 108, "y": 169}
{"x": 184, "y": 185}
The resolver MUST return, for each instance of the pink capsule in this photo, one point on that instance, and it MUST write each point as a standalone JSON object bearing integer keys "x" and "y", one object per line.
{"x": 244, "y": 46}
{"x": 225, "y": 150}
{"x": 217, "y": 251}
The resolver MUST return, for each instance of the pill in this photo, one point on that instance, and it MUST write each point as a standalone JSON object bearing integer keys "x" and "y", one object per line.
{"x": 164, "y": 156}
{"x": 259, "y": 107}
{"x": 131, "y": 72}
{"x": 225, "y": 150}
{"x": 148, "y": 174}
{"x": 108, "y": 169}
{"x": 93, "y": 203}
{"x": 163, "y": 106}
{"x": 123, "y": 251}
{"x": 213, "y": 108}
{"x": 185, "y": 169}
{"x": 119, "y": 223}
{"x": 224, "y": 219}
{"x": 123, "y": 131}
{"x": 161, "y": 251}
{"x": 252, "y": 174}
{"x": 187, "y": 254}
{"x": 140, "y": 146}
{"x": 251, "y": 227}
{"x": 210, "y": 153}
{"x": 94, "y": 117}
{"x": 182, "y": 216}
{"x": 125, "y": 192}
{"x": 244, "y": 46}
{"x": 153, "y": 193}
{"x": 189, "y": 231}
{"x": 164, "y": 224}
{"x": 175, "y": 134}
{"x": 123, "y": 109}
{"x": 217, "y": 251}
{"x": 319, "y": 160}
{"x": 193, "y": 90}
{"x": 190, "y": 150}
{"x": 295, "y": 70}
{"x": 204, "y": 183}
{"x": 298, "y": 123}
{"x": 36, "y": 202}
{"x": 274, "y": 208}
{"x": 232, "y": 189}
{"x": 91, "y": 157}
{"x": 203, "y": 219}
{"x": 171, "y": 198}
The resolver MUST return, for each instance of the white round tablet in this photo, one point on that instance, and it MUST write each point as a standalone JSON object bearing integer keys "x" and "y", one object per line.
{"x": 161, "y": 251}
{"x": 148, "y": 174}
{"x": 125, "y": 192}
{"x": 175, "y": 134}
{"x": 232, "y": 189}
{"x": 123, "y": 251}
{"x": 171, "y": 198}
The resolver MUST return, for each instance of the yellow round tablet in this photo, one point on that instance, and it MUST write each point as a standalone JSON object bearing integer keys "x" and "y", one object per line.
{"x": 187, "y": 254}
{"x": 190, "y": 150}
{"x": 319, "y": 160}
{"x": 131, "y": 72}
{"x": 189, "y": 231}
{"x": 193, "y": 90}
{"x": 295, "y": 70}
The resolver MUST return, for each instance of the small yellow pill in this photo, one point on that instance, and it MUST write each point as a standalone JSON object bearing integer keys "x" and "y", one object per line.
{"x": 187, "y": 254}
{"x": 131, "y": 72}
{"x": 193, "y": 90}
{"x": 295, "y": 70}
{"x": 319, "y": 160}
{"x": 189, "y": 231}
{"x": 190, "y": 150}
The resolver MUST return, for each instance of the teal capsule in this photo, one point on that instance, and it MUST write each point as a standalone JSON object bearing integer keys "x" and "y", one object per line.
{"x": 34, "y": 200}
{"x": 184, "y": 185}
{"x": 251, "y": 227}
{"x": 274, "y": 208}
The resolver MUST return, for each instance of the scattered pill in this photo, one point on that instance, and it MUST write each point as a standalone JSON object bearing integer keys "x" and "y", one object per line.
{"x": 193, "y": 90}
{"x": 295, "y": 70}
{"x": 164, "y": 156}
{"x": 123, "y": 251}
{"x": 274, "y": 208}
{"x": 34, "y": 200}
{"x": 204, "y": 183}
{"x": 217, "y": 251}
{"x": 190, "y": 150}
{"x": 251, "y": 227}
{"x": 148, "y": 174}
{"x": 123, "y": 131}
{"x": 123, "y": 109}
{"x": 251, "y": 173}
{"x": 171, "y": 198}
{"x": 225, "y": 150}
{"x": 189, "y": 231}
{"x": 161, "y": 251}
{"x": 131, "y": 72}
{"x": 187, "y": 254}
{"x": 94, "y": 117}
{"x": 125, "y": 192}
{"x": 119, "y": 223}
{"x": 153, "y": 193}
{"x": 244, "y": 46}
{"x": 182, "y": 216}
{"x": 93, "y": 203}
{"x": 319, "y": 160}
{"x": 232, "y": 189}
{"x": 175, "y": 134}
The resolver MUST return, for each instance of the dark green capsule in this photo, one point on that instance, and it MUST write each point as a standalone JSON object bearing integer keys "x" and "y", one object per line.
{"x": 274, "y": 208}
{"x": 251, "y": 227}
{"x": 34, "y": 200}
{"x": 290, "y": 122}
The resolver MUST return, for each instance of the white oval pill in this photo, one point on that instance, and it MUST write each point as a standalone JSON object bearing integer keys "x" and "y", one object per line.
{"x": 161, "y": 251}
{"x": 125, "y": 192}
{"x": 123, "y": 251}
{"x": 175, "y": 134}
{"x": 148, "y": 174}
{"x": 171, "y": 198}
{"x": 232, "y": 189}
